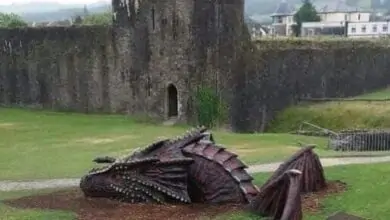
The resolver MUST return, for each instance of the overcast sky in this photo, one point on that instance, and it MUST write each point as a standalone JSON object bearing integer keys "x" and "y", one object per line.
{"x": 8, "y": 2}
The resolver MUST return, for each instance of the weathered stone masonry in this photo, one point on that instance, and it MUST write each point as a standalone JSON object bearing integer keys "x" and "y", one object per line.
{"x": 59, "y": 68}
{"x": 158, "y": 52}
{"x": 177, "y": 44}
{"x": 278, "y": 73}
{"x": 154, "y": 47}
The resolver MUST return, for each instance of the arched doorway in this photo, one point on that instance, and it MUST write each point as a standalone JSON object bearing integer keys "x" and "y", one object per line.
{"x": 172, "y": 101}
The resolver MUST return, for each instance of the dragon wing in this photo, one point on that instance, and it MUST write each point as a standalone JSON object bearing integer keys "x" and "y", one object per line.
{"x": 280, "y": 198}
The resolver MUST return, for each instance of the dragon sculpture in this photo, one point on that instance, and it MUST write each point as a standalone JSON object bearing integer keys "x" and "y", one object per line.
{"x": 194, "y": 169}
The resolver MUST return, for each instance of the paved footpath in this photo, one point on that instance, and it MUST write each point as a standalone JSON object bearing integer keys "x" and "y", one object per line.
{"x": 261, "y": 168}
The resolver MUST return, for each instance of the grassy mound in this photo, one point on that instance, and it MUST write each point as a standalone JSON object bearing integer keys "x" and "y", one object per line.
{"x": 337, "y": 115}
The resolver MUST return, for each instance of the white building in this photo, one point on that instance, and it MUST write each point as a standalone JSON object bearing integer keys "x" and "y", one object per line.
{"x": 333, "y": 16}
{"x": 283, "y": 19}
{"x": 340, "y": 11}
{"x": 368, "y": 29}
{"x": 323, "y": 28}
{"x": 258, "y": 32}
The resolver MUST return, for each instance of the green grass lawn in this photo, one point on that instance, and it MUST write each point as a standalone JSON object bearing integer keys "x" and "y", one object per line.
{"x": 380, "y": 94}
{"x": 39, "y": 144}
{"x": 367, "y": 196}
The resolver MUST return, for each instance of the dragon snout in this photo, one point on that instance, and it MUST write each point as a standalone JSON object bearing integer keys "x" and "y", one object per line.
{"x": 86, "y": 183}
{"x": 91, "y": 185}
{"x": 94, "y": 185}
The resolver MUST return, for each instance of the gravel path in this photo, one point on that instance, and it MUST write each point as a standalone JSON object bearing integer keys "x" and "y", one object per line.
{"x": 326, "y": 162}
{"x": 38, "y": 184}
{"x": 261, "y": 168}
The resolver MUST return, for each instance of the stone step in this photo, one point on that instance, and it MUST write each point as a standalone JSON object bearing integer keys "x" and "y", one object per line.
{"x": 171, "y": 121}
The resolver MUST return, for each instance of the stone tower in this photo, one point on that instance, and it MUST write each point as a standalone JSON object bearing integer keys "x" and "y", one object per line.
{"x": 167, "y": 48}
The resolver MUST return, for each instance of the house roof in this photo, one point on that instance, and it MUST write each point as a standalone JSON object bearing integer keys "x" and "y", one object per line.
{"x": 337, "y": 6}
{"x": 284, "y": 8}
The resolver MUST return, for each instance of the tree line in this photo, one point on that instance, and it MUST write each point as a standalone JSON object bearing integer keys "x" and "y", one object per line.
{"x": 12, "y": 20}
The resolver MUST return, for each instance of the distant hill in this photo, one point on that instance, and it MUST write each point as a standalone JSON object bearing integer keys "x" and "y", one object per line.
{"x": 47, "y": 11}
{"x": 257, "y": 10}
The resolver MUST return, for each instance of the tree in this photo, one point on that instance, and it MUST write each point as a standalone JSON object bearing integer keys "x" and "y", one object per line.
{"x": 306, "y": 13}
{"x": 85, "y": 11}
{"x": 11, "y": 20}
{"x": 77, "y": 20}
{"x": 104, "y": 18}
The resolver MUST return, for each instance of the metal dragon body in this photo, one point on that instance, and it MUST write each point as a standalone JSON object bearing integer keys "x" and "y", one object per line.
{"x": 192, "y": 169}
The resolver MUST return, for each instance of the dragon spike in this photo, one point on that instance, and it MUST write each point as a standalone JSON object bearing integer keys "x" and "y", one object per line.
{"x": 104, "y": 160}
{"x": 190, "y": 136}
{"x": 202, "y": 128}
{"x": 199, "y": 129}
{"x": 136, "y": 150}
{"x": 294, "y": 172}
{"x": 152, "y": 147}
{"x": 127, "y": 165}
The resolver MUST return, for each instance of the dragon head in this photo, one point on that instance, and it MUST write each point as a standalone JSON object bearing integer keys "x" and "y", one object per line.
{"x": 158, "y": 173}
{"x": 146, "y": 180}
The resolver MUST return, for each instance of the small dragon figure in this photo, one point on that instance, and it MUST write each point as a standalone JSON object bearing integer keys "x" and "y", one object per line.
{"x": 191, "y": 169}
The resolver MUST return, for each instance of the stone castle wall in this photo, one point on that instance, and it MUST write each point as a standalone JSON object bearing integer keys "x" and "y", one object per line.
{"x": 177, "y": 44}
{"x": 159, "y": 52}
{"x": 58, "y": 68}
{"x": 281, "y": 72}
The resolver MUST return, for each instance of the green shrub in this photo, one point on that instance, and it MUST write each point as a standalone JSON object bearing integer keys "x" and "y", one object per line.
{"x": 210, "y": 109}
